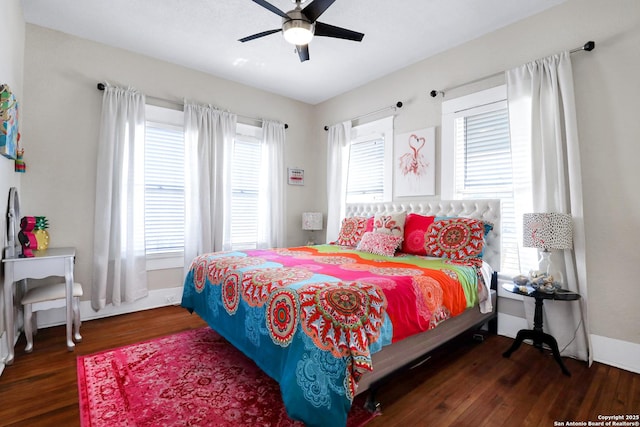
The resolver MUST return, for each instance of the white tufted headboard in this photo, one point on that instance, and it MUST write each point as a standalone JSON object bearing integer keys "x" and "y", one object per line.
{"x": 486, "y": 210}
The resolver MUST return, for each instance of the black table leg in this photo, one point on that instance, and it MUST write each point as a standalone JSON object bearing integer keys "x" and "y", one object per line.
{"x": 539, "y": 337}
{"x": 523, "y": 334}
{"x": 551, "y": 341}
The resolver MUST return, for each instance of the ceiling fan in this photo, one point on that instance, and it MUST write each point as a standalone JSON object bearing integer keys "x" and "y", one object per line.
{"x": 299, "y": 25}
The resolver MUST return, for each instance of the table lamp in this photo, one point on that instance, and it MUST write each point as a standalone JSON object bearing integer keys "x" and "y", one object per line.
{"x": 547, "y": 231}
{"x": 312, "y": 221}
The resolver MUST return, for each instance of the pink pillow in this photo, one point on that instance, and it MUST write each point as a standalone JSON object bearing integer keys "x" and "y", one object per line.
{"x": 379, "y": 243}
{"x": 415, "y": 228}
{"x": 455, "y": 238}
{"x": 369, "y": 224}
{"x": 351, "y": 231}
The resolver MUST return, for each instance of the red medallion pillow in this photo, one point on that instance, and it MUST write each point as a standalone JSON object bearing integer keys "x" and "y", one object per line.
{"x": 379, "y": 243}
{"x": 415, "y": 228}
{"x": 455, "y": 238}
{"x": 351, "y": 231}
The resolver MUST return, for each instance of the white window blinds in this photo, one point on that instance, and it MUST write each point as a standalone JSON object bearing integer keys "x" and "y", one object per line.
{"x": 164, "y": 188}
{"x": 483, "y": 150}
{"x": 484, "y": 171}
{"x": 365, "y": 180}
{"x": 370, "y": 162}
{"x": 245, "y": 190}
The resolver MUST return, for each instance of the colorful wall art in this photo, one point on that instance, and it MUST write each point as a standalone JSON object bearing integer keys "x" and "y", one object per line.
{"x": 8, "y": 122}
{"x": 414, "y": 163}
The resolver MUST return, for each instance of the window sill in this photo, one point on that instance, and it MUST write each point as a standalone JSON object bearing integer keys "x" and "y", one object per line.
{"x": 165, "y": 261}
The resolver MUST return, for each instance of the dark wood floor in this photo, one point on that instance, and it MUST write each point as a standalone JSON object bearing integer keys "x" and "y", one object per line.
{"x": 466, "y": 384}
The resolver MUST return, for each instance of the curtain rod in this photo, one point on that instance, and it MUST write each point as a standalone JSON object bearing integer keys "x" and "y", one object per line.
{"x": 588, "y": 46}
{"x": 101, "y": 86}
{"x": 391, "y": 107}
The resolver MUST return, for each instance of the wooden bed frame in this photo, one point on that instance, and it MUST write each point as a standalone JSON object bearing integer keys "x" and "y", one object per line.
{"x": 414, "y": 350}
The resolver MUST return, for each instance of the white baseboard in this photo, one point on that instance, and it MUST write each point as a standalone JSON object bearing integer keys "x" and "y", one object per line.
{"x": 156, "y": 298}
{"x": 621, "y": 354}
{"x": 56, "y": 316}
{"x": 4, "y": 346}
{"x": 4, "y": 350}
{"x": 509, "y": 325}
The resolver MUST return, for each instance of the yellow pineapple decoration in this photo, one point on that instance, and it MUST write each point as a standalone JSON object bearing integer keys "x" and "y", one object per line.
{"x": 41, "y": 233}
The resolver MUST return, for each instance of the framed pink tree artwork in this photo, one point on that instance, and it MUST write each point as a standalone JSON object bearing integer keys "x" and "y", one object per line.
{"x": 414, "y": 163}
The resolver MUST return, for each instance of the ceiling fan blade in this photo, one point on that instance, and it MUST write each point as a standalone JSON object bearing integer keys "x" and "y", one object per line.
{"x": 271, "y": 7}
{"x": 303, "y": 52}
{"x": 258, "y": 35}
{"x": 327, "y": 30}
{"x": 316, "y": 8}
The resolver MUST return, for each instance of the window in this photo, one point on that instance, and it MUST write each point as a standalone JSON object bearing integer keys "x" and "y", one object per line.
{"x": 245, "y": 186}
{"x": 164, "y": 187}
{"x": 477, "y": 163}
{"x": 369, "y": 175}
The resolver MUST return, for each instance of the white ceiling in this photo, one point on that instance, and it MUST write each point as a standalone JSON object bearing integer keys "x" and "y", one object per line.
{"x": 203, "y": 35}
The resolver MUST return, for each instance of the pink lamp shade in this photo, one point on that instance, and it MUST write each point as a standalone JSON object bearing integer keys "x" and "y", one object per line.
{"x": 548, "y": 231}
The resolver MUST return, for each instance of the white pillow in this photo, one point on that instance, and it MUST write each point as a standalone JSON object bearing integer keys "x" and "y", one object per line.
{"x": 390, "y": 223}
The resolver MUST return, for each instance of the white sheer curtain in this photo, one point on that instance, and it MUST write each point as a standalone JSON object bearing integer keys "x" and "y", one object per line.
{"x": 337, "y": 168}
{"x": 543, "y": 122}
{"x": 119, "y": 263}
{"x": 208, "y": 139}
{"x": 271, "y": 198}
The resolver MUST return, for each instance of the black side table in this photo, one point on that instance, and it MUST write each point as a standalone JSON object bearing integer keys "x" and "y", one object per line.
{"x": 537, "y": 334}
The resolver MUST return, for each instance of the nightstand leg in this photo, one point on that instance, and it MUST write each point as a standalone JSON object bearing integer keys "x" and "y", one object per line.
{"x": 538, "y": 338}
{"x": 551, "y": 342}
{"x": 523, "y": 334}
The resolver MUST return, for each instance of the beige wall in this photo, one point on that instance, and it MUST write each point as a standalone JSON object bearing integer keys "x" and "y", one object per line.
{"x": 62, "y": 106}
{"x": 608, "y": 104}
{"x": 62, "y": 115}
{"x": 11, "y": 66}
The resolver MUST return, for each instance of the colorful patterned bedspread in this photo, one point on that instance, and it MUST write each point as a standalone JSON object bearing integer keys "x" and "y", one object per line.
{"x": 311, "y": 317}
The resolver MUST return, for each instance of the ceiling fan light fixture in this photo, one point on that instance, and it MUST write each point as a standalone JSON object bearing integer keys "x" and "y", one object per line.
{"x": 298, "y": 32}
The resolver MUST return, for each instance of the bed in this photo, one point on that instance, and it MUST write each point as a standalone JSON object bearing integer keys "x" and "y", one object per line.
{"x": 332, "y": 321}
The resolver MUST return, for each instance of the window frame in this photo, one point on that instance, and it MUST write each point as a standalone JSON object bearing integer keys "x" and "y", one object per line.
{"x": 474, "y": 104}
{"x": 377, "y": 129}
{"x": 172, "y": 118}
{"x": 480, "y": 102}
{"x": 249, "y": 134}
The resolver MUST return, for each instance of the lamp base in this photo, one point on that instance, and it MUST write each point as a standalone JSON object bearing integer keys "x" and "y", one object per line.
{"x": 311, "y": 240}
{"x": 546, "y": 267}
{"x": 544, "y": 263}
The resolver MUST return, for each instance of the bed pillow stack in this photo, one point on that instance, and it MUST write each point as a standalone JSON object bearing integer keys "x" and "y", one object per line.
{"x": 456, "y": 238}
{"x": 386, "y": 236}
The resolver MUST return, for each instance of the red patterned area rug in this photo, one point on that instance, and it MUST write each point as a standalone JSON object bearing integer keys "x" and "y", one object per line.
{"x": 194, "y": 378}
